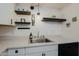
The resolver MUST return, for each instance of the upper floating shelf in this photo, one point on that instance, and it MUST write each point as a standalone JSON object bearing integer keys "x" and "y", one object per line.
{"x": 22, "y": 12}
{"x": 54, "y": 19}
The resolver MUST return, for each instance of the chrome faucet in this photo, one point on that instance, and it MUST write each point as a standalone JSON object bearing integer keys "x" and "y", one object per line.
{"x": 38, "y": 35}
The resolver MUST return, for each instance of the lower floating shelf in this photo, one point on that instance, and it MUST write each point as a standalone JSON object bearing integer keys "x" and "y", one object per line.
{"x": 6, "y": 25}
{"x": 5, "y": 28}
{"x": 24, "y": 28}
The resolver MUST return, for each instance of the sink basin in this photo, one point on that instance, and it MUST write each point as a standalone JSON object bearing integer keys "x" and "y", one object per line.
{"x": 41, "y": 41}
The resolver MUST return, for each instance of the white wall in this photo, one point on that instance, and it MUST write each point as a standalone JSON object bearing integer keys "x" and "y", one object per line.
{"x": 20, "y": 36}
{"x": 48, "y": 29}
{"x": 6, "y": 12}
{"x": 42, "y": 27}
{"x": 69, "y": 12}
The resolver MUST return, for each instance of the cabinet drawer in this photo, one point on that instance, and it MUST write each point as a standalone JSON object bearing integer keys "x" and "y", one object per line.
{"x": 16, "y": 52}
{"x": 51, "y": 47}
{"x": 52, "y": 53}
{"x": 43, "y": 48}
{"x": 35, "y": 54}
{"x": 44, "y": 53}
{"x": 34, "y": 51}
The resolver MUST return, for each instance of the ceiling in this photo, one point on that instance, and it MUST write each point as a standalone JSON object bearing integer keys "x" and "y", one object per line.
{"x": 54, "y": 5}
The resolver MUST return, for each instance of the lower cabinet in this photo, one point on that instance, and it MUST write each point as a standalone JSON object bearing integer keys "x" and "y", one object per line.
{"x": 16, "y": 52}
{"x": 46, "y": 53}
{"x": 68, "y": 49}
{"x": 50, "y": 50}
{"x": 65, "y": 49}
{"x": 51, "y": 53}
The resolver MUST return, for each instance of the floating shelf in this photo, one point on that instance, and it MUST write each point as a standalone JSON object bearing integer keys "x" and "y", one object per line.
{"x": 22, "y": 12}
{"x": 53, "y": 20}
{"x": 6, "y": 25}
{"x": 4, "y": 28}
{"x": 22, "y": 23}
{"x": 24, "y": 28}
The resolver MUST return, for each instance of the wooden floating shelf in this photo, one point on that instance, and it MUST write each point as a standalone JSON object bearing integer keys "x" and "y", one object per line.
{"x": 22, "y": 23}
{"x": 53, "y": 20}
{"x": 6, "y": 25}
{"x": 5, "y": 28}
{"x": 24, "y": 28}
{"x": 22, "y": 12}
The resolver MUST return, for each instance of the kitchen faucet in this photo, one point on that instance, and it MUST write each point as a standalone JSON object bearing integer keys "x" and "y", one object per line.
{"x": 30, "y": 37}
{"x": 38, "y": 35}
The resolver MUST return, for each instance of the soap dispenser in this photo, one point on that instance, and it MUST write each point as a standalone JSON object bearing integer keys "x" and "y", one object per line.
{"x": 30, "y": 37}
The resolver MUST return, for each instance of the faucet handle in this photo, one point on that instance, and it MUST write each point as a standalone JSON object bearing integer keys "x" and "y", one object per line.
{"x": 38, "y": 35}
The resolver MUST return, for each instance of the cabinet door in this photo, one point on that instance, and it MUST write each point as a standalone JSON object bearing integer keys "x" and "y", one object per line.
{"x": 68, "y": 49}
{"x": 39, "y": 53}
{"x": 16, "y": 52}
{"x": 51, "y": 53}
{"x": 51, "y": 50}
{"x": 33, "y": 51}
{"x": 45, "y": 53}
{"x": 35, "y": 54}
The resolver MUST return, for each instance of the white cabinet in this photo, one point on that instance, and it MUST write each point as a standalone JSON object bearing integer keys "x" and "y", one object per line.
{"x": 50, "y": 50}
{"x": 51, "y": 53}
{"x": 35, "y": 54}
{"x": 45, "y": 53}
{"x": 16, "y": 52}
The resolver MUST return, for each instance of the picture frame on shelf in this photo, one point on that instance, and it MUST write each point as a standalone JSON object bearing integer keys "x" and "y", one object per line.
{"x": 74, "y": 19}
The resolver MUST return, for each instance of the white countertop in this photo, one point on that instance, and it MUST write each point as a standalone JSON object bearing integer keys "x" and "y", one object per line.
{"x": 57, "y": 40}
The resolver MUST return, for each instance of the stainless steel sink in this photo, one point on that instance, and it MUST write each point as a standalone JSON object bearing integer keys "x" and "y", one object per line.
{"x": 41, "y": 41}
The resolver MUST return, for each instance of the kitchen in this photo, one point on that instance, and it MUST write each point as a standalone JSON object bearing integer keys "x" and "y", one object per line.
{"x": 39, "y": 29}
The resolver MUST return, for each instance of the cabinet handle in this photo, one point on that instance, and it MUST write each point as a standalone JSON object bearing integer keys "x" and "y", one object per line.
{"x": 43, "y": 54}
{"x": 16, "y": 51}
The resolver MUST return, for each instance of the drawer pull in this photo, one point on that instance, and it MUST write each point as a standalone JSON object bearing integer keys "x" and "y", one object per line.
{"x": 16, "y": 51}
{"x": 43, "y": 54}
